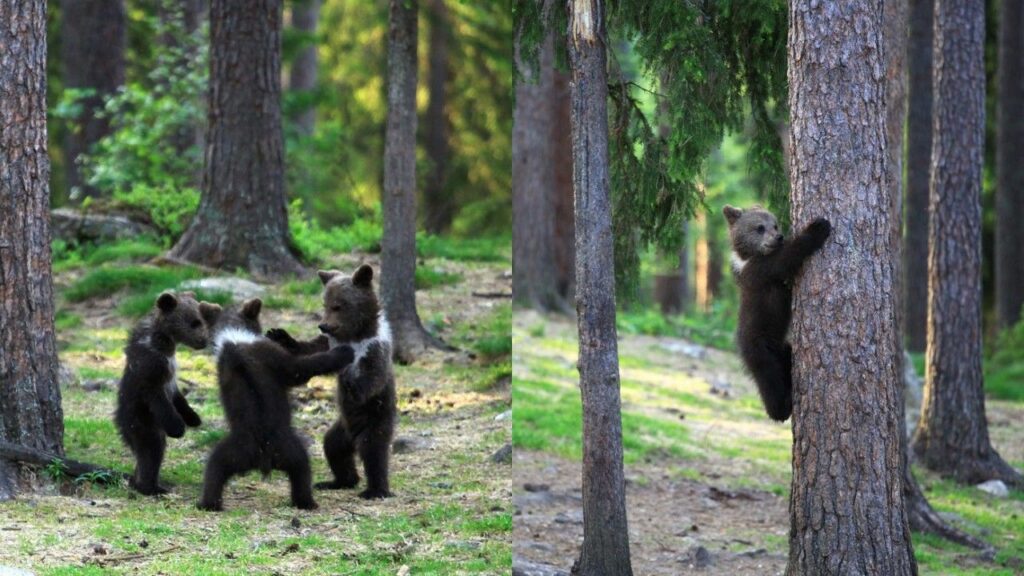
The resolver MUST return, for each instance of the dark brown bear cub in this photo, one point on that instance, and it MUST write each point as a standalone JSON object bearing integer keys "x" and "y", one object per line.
{"x": 366, "y": 389}
{"x": 765, "y": 264}
{"x": 149, "y": 405}
{"x": 254, "y": 375}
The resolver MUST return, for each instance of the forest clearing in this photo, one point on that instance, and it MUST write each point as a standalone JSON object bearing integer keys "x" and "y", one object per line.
{"x": 451, "y": 510}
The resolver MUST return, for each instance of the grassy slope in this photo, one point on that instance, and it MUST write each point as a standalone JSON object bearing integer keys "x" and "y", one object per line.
{"x": 728, "y": 441}
{"x": 452, "y": 512}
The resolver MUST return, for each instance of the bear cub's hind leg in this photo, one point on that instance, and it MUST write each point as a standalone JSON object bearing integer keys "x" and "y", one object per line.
{"x": 339, "y": 449}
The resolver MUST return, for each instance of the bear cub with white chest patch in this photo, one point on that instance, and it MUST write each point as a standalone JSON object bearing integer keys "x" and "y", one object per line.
{"x": 254, "y": 375}
{"x": 764, "y": 264}
{"x": 366, "y": 389}
{"x": 149, "y": 405}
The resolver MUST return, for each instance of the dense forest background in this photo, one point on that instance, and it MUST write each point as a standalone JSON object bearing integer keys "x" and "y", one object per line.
{"x": 141, "y": 113}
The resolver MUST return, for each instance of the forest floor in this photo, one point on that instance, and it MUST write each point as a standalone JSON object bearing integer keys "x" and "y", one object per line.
{"x": 707, "y": 474}
{"x": 451, "y": 513}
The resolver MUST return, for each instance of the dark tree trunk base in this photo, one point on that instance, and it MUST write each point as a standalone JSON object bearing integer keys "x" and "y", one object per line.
{"x": 411, "y": 340}
{"x": 923, "y": 518}
{"x": 966, "y": 468}
{"x": 72, "y": 468}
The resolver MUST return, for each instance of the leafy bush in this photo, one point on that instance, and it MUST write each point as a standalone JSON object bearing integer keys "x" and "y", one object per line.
{"x": 315, "y": 242}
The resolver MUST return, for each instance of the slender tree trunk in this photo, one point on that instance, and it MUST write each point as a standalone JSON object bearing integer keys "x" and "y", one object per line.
{"x": 305, "y": 14}
{"x": 398, "y": 243}
{"x": 242, "y": 221}
{"x": 702, "y": 264}
{"x": 605, "y": 550}
{"x": 534, "y": 273}
{"x": 1009, "y": 168}
{"x": 93, "y": 41}
{"x": 561, "y": 156}
{"x": 952, "y": 435}
{"x": 919, "y": 158}
{"x": 846, "y": 509}
{"x": 30, "y": 411}
{"x": 920, "y": 515}
{"x": 439, "y": 200}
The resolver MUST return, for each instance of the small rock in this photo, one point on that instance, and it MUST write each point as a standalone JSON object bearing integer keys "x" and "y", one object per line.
{"x": 721, "y": 387}
{"x": 503, "y": 416}
{"x": 442, "y": 485}
{"x": 9, "y": 571}
{"x": 296, "y": 523}
{"x": 574, "y": 517}
{"x": 99, "y": 385}
{"x": 524, "y": 567}
{"x": 701, "y": 557}
{"x": 994, "y": 487}
{"x": 99, "y": 550}
{"x": 503, "y": 455}
{"x": 695, "y": 351}
{"x": 531, "y": 487}
{"x": 407, "y": 444}
{"x": 463, "y": 544}
{"x": 239, "y": 288}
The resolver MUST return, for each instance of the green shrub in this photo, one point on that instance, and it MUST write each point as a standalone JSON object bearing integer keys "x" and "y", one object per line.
{"x": 131, "y": 250}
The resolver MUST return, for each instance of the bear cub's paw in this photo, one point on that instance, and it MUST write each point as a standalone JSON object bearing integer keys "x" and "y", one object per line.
{"x": 210, "y": 506}
{"x": 282, "y": 337}
{"x": 369, "y": 494}
{"x": 820, "y": 229}
{"x": 306, "y": 505}
{"x": 192, "y": 420}
{"x": 337, "y": 484}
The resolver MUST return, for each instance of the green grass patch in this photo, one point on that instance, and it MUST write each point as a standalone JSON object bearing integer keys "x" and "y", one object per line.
{"x": 125, "y": 251}
{"x": 494, "y": 336}
{"x": 495, "y": 249}
{"x": 428, "y": 278}
{"x": 715, "y": 329}
{"x": 139, "y": 304}
{"x": 64, "y": 320}
{"x": 109, "y": 279}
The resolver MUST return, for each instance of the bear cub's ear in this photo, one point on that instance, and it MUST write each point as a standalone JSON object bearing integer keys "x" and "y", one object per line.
{"x": 327, "y": 275}
{"x": 210, "y": 312}
{"x": 166, "y": 302}
{"x": 363, "y": 276}
{"x": 732, "y": 214}
{"x": 251, "y": 308}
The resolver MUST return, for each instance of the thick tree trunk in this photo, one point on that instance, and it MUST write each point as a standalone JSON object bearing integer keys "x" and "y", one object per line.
{"x": 561, "y": 156}
{"x": 92, "y": 52}
{"x": 605, "y": 548}
{"x": 242, "y": 221}
{"x": 305, "y": 14}
{"x": 1009, "y": 168}
{"x": 952, "y": 435}
{"x": 534, "y": 269}
{"x": 847, "y": 510}
{"x": 919, "y": 158}
{"x": 440, "y": 202}
{"x": 921, "y": 516}
{"x": 30, "y": 411}
{"x": 398, "y": 244}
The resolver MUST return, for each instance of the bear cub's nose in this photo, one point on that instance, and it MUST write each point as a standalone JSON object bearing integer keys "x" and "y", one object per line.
{"x": 323, "y": 328}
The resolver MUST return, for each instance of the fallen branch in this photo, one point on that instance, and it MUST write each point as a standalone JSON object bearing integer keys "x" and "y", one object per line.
{"x": 104, "y": 560}
{"x": 495, "y": 295}
{"x": 72, "y": 468}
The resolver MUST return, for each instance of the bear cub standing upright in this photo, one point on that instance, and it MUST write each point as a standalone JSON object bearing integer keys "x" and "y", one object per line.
{"x": 149, "y": 405}
{"x": 254, "y": 375}
{"x": 765, "y": 264}
{"x": 366, "y": 389}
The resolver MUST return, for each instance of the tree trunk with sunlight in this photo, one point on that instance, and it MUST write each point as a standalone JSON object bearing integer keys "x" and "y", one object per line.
{"x": 846, "y": 509}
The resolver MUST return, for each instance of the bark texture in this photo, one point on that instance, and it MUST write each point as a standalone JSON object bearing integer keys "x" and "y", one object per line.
{"x": 242, "y": 221}
{"x": 919, "y": 158}
{"x": 534, "y": 269}
{"x": 846, "y": 509}
{"x": 30, "y": 410}
{"x": 440, "y": 209}
{"x": 92, "y": 52}
{"x": 1009, "y": 265}
{"x": 303, "y": 75}
{"x": 605, "y": 549}
{"x": 398, "y": 243}
{"x": 952, "y": 435}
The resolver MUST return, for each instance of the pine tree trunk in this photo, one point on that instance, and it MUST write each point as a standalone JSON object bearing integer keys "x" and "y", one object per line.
{"x": 398, "y": 243}
{"x": 846, "y": 509}
{"x": 1009, "y": 262}
{"x": 30, "y": 410}
{"x": 702, "y": 264}
{"x": 440, "y": 202}
{"x": 303, "y": 76}
{"x": 92, "y": 52}
{"x": 242, "y": 221}
{"x": 605, "y": 548}
{"x": 919, "y": 158}
{"x": 952, "y": 435}
{"x": 534, "y": 273}
{"x": 565, "y": 218}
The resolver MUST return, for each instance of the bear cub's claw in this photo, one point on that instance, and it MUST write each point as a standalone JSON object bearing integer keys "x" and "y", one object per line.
{"x": 820, "y": 229}
{"x": 282, "y": 337}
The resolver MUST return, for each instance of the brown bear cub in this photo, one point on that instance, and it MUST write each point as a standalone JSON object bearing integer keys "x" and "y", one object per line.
{"x": 149, "y": 405}
{"x": 366, "y": 389}
{"x": 765, "y": 264}
{"x": 254, "y": 375}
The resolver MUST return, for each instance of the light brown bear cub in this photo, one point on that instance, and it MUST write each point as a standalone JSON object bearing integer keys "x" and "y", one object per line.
{"x": 366, "y": 388}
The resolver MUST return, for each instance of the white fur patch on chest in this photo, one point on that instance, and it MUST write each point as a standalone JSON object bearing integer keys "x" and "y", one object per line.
{"x": 361, "y": 348}
{"x": 738, "y": 264}
{"x": 171, "y": 386}
{"x": 233, "y": 336}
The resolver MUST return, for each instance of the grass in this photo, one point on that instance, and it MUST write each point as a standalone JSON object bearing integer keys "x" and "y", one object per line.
{"x": 714, "y": 329}
{"x": 429, "y": 277}
{"x": 108, "y": 280}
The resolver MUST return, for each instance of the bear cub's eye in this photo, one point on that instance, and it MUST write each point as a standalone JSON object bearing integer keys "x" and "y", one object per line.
{"x": 336, "y": 308}
{"x": 760, "y": 229}
{"x": 196, "y": 324}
